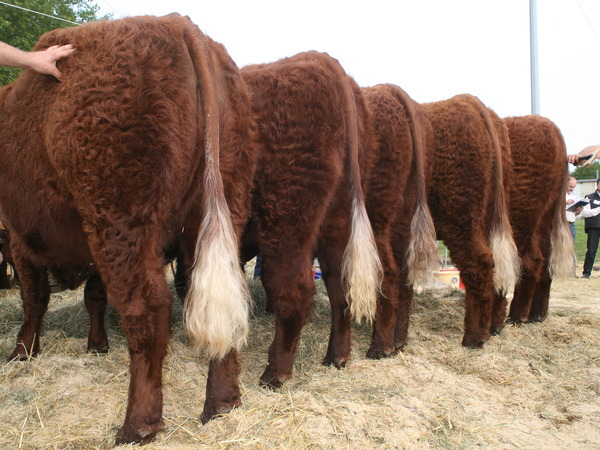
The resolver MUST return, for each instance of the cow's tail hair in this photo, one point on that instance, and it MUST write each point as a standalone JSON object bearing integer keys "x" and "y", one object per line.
{"x": 563, "y": 252}
{"x": 217, "y": 305}
{"x": 361, "y": 266}
{"x": 362, "y": 271}
{"x": 562, "y": 257}
{"x": 422, "y": 252}
{"x": 507, "y": 264}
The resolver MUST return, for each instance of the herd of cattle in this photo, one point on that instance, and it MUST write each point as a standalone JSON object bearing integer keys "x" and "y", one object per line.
{"x": 156, "y": 146}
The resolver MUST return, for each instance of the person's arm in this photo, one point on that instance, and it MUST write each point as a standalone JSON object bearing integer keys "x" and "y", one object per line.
{"x": 588, "y": 212}
{"x": 43, "y": 61}
{"x": 592, "y": 152}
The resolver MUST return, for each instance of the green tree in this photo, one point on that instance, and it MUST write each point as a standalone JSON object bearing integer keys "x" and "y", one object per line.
{"x": 587, "y": 173}
{"x": 22, "y": 29}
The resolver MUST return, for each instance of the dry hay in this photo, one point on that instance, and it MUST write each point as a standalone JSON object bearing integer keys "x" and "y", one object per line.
{"x": 534, "y": 386}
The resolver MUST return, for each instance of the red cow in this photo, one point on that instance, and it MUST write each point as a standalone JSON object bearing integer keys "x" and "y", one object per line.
{"x": 309, "y": 197}
{"x": 149, "y": 132}
{"x": 537, "y": 215}
{"x": 402, "y": 223}
{"x": 470, "y": 159}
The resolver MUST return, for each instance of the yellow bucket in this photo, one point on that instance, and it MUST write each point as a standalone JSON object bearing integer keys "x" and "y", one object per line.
{"x": 450, "y": 276}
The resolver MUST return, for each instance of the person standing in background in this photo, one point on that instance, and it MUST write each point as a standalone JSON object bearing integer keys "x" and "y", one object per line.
{"x": 592, "y": 228}
{"x": 572, "y": 216}
{"x": 570, "y": 199}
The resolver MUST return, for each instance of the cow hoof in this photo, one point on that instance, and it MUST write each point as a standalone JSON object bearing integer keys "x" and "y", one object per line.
{"x": 515, "y": 322}
{"x": 399, "y": 346}
{"x": 533, "y": 319}
{"x": 98, "y": 344}
{"x": 472, "y": 342}
{"x": 142, "y": 434}
{"x": 271, "y": 384}
{"x": 271, "y": 381}
{"x": 98, "y": 350}
{"x": 19, "y": 355}
{"x": 497, "y": 329}
{"x": 210, "y": 414}
{"x": 376, "y": 353}
{"x": 338, "y": 363}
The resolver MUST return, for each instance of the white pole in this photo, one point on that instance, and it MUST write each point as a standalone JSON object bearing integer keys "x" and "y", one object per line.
{"x": 533, "y": 44}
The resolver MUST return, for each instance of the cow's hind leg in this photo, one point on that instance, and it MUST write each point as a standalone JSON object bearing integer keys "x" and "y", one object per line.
{"x": 476, "y": 267}
{"x": 521, "y": 302}
{"x": 145, "y": 320}
{"x": 35, "y": 294}
{"x": 222, "y": 387}
{"x": 405, "y": 299}
{"x": 541, "y": 299}
{"x": 530, "y": 274}
{"x": 95, "y": 303}
{"x": 4, "y": 283}
{"x": 383, "y": 339}
{"x": 131, "y": 266}
{"x": 289, "y": 284}
{"x": 538, "y": 310}
{"x": 402, "y": 288}
{"x": 330, "y": 254}
{"x": 498, "y": 313}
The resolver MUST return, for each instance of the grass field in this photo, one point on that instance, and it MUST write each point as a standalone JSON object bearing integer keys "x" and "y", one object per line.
{"x": 580, "y": 240}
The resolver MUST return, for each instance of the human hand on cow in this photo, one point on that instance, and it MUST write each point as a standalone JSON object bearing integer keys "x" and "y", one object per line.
{"x": 43, "y": 61}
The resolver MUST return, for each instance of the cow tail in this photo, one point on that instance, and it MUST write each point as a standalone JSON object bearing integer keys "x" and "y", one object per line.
{"x": 362, "y": 271}
{"x": 507, "y": 264}
{"x": 563, "y": 252}
{"x": 422, "y": 252}
{"x": 217, "y": 304}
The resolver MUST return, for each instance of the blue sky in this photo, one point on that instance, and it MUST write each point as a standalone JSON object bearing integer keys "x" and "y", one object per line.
{"x": 434, "y": 49}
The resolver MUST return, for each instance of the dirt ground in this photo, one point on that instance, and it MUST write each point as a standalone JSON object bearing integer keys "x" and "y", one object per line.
{"x": 534, "y": 386}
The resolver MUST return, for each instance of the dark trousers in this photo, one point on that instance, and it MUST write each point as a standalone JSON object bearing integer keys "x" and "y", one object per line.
{"x": 593, "y": 236}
